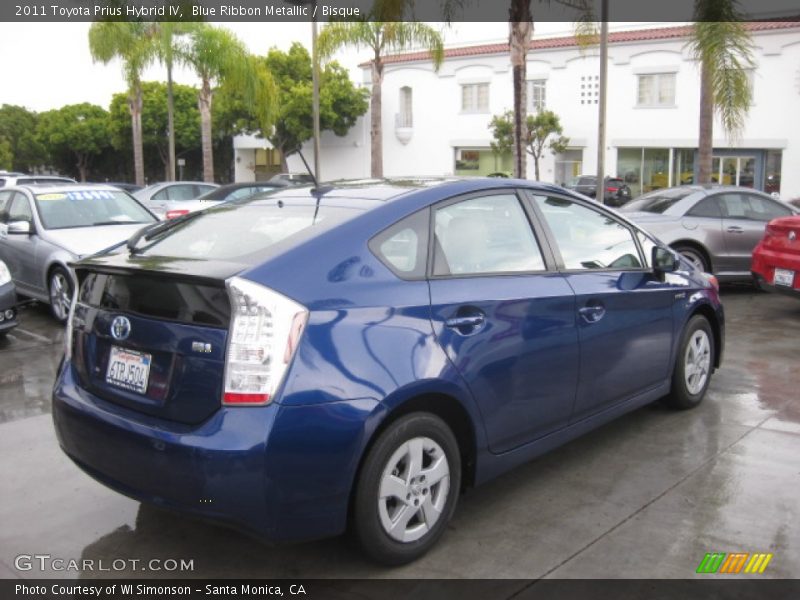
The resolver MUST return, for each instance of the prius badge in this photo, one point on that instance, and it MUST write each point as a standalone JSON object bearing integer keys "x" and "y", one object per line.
{"x": 120, "y": 328}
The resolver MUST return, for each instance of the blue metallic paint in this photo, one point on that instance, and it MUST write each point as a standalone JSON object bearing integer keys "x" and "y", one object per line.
{"x": 373, "y": 343}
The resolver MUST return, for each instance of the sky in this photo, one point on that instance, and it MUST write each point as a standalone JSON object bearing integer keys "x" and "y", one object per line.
{"x": 48, "y": 65}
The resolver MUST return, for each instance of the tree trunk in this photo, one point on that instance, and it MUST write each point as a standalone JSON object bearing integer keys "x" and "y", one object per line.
{"x": 135, "y": 106}
{"x": 376, "y": 131}
{"x": 170, "y": 124}
{"x": 706, "y": 135}
{"x": 284, "y": 162}
{"x": 83, "y": 167}
{"x": 204, "y": 99}
{"x": 520, "y": 32}
{"x": 536, "y": 167}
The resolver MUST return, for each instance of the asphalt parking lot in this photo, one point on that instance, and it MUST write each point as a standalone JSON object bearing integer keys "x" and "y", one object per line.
{"x": 646, "y": 496}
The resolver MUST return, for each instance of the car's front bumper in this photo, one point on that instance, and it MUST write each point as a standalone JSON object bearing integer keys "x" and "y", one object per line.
{"x": 8, "y": 301}
{"x": 276, "y": 472}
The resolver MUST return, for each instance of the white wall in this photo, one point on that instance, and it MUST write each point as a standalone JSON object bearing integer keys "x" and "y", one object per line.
{"x": 439, "y": 126}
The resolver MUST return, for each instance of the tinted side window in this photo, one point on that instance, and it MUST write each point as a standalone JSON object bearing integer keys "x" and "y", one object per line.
{"x": 762, "y": 209}
{"x": 734, "y": 206}
{"x": 490, "y": 234}
{"x": 403, "y": 247}
{"x": 707, "y": 207}
{"x": 5, "y": 204}
{"x": 588, "y": 239}
{"x": 20, "y": 209}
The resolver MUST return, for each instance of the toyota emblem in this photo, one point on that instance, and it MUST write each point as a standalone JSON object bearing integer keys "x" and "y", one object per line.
{"x": 120, "y": 328}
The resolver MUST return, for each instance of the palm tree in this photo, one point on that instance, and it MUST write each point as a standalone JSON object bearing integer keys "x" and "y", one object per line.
{"x": 215, "y": 54}
{"x": 163, "y": 37}
{"x": 520, "y": 27}
{"x": 128, "y": 42}
{"x": 722, "y": 45}
{"x": 380, "y": 37}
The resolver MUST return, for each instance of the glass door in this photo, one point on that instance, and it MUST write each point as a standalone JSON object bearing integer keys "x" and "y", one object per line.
{"x": 734, "y": 170}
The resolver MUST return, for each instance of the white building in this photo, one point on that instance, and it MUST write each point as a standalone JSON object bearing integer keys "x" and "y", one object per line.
{"x": 436, "y": 123}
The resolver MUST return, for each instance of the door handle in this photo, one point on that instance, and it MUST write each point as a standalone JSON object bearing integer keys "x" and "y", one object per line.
{"x": 735, "y": 229}
{"x": 592, "y": 314}
{"x": 467, "y": 321}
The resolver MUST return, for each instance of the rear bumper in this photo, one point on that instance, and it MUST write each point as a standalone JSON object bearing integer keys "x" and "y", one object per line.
{"x": 765, "y": 262}
{"x": 255, "y": 468}
{"x": 779, "y": 289}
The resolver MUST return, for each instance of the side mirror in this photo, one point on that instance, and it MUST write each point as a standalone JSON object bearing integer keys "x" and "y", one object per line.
{"x": 664, "y": 261}
{"x": 19, "y": 228}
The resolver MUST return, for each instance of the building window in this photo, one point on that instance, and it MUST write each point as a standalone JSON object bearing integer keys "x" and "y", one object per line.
{"x": 405, "y": 118}
{"x": 537, "y": 95}
{"x": 656, "y": 89}
{"x": 590, "y": 89}
{"x": 475, "y": 97}
{"x": 482, "y": 162}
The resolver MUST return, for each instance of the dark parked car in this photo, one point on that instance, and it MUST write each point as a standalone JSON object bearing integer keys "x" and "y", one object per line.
{"x": 714, "y": 227}
{"x": 309, "y": 361}
{"x": 126, "y": 187}
{"x": 8, "y": 301}
{"x": 292, "y": 179}
{"x": 776, "y": 259}
{"x": 224, "y": 193}
{"x": 616, "y": 193}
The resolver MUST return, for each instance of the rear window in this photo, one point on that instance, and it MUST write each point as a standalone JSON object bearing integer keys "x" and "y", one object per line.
{"x": 656, "y": 202}
{"x": 234, "y": 231}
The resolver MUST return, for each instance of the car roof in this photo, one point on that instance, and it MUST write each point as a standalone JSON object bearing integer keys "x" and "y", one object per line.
{"x": 36, "y": 188}
{"x": 388, "y": 189}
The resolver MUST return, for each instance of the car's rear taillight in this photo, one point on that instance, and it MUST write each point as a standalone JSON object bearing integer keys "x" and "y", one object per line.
{"x": 611, "y": 189}
{"x": 265, "y": 332}
{"x": 171, "y": 214}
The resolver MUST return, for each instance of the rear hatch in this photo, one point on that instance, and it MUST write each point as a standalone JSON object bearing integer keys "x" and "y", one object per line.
{"x": 151, "y": 335}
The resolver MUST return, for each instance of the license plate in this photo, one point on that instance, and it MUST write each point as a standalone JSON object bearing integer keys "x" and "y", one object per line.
{"x": 783, "y": 277}
{"x": 128, "y": 369}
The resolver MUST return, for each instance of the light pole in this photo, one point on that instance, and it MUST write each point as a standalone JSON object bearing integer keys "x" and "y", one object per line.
{"x": 601, "y": 119}
{"x": 315, "y": 92}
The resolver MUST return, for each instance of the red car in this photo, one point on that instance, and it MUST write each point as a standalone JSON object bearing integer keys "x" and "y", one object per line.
{"x": 776, "y": 258}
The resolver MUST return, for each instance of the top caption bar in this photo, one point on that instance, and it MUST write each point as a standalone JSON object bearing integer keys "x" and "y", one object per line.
{"x": 277, "y": 11}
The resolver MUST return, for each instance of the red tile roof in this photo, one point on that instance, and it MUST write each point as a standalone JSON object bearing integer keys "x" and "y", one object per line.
{"x": 617, "y": 37}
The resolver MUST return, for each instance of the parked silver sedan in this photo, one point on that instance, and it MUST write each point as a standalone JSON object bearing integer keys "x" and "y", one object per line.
{"x": 161, "y": 198}
{"x": 714, "y": 227}
{"x": 43, "y": 228}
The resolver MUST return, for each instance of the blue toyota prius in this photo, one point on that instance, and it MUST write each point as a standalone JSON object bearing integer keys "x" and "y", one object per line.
{"x": 316, "y": 360}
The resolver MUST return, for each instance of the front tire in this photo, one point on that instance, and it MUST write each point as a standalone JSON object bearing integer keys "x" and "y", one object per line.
{"x": 59, "y": 290}
{"x": 407, "y": 489}
{"x": 694, "y": 364}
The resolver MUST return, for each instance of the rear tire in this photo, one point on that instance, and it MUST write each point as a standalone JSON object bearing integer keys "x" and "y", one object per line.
{"x": 407, "y": 489}
{"x": 693, "y": 366}
{"x": 694, "y": 256}
{"x": 59, "y": 290}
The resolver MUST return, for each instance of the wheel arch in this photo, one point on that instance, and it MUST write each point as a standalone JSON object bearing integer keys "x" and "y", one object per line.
{"x": 710, "y": 314}
{"x": 48, "y": 272}
{"x": 443, "y": 404}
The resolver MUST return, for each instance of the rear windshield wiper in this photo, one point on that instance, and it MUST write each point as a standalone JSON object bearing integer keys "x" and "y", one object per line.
{"x": 151, "y": 231}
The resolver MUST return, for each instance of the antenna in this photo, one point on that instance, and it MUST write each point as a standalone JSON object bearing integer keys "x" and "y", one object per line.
{"x": 310, "y": 172}
{"x": 316, "y": 190}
